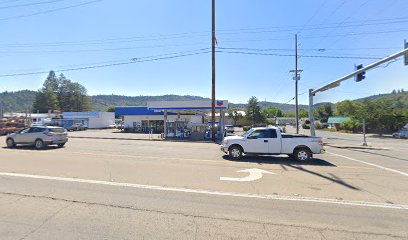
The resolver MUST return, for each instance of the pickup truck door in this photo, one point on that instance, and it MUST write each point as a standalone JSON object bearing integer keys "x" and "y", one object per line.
{"x": 257, "y": 142}
{"x": 275, "y": 141}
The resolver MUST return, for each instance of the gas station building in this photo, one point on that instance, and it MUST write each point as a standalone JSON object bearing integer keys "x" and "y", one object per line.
{"x": 175, "y": 119}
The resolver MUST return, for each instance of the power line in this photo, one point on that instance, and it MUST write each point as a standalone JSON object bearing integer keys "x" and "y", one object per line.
{"x": 288, "y": 50}
{"x": 98, "y": 49}
{"x": 304, "y": 56}
{"x": 129, "y": 61}
{"x": 341, "y": 23}
{"x": 50, "y": 11}
{"x": 315, "y": 28}
{"x": 31, "y": 4}
{"x": 10, "y": 1}
{"x": 311, "y": 25}
{"x": 198, "y": 34}
{"x": 360, "y": 33}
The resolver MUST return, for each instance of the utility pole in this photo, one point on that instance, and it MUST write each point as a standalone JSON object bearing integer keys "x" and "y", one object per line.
{"x": 213, "y": 42}
{"x": 296, "y": 78}
{"x": 296, "y": 83}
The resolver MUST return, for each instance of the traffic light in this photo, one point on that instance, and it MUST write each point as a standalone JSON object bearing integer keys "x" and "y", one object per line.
{"x": 406, "y": 54}
{"x": 359, "y": 77}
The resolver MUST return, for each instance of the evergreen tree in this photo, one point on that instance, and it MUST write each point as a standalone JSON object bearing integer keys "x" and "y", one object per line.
{"x": 253, "y": 111}
{"x": 60, "y": 93}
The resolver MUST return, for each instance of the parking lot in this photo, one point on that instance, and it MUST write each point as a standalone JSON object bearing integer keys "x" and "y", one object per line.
{"x": 350, "y": 191}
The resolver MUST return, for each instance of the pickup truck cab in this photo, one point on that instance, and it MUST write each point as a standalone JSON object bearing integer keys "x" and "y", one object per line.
{"x": 270, "y": 141}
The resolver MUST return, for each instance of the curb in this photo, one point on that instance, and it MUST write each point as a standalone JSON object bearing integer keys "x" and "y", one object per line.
{"x": 355, "y": 147}
{"x": 143, "y": 139}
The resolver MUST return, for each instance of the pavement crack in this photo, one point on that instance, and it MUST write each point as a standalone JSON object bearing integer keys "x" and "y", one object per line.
{"x": 196, "y": 228}
{"x": 45, "y": 221}
{"x": 266, "y": 231}
{"x": 320, "y": 231}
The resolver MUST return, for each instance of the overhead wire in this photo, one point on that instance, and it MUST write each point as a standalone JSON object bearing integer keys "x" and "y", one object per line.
{"x": 123, "y": 62}
{"x": 173, "y": 36}
{"x": 342, "y": 22}
{"x": 31, "y": 4}
{"x": 50, "y": 11}
{"x": 292, "y": 55}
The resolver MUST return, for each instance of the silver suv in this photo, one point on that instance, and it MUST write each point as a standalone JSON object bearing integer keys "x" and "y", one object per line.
{"x": 38, "y": 136}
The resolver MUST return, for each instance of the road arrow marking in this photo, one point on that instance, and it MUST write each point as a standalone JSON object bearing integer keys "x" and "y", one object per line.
{"x": 254, "y": 174}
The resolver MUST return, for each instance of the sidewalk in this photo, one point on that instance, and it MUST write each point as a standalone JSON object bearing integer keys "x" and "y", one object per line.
{"x": 114, "y": 134}
{"x": 338, "y": 139}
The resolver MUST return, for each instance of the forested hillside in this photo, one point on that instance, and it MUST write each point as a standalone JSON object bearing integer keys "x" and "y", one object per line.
{"x": 103, "y": 102}
{"x": 19, "y": 101}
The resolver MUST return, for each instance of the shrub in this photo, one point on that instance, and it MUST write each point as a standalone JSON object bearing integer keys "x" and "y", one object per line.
{"x": 350, "y": 125}
{"x": 304, "y": 126}
{"x": 318, "y": 126}
{"x": 246, "y": 128}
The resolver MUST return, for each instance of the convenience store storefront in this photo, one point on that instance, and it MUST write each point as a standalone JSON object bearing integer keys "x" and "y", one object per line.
{"x": 175, "y": 119}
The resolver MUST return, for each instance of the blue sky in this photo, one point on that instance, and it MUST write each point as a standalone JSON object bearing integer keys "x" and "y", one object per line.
{"x": 40, "y": 35}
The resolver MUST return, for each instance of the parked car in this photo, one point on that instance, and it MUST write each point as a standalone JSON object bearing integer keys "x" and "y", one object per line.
{"x": 401, "y": 134}
{"x": 39, "y": 137}
{"x": 270, "y": 141}
{"x": 76, "y": 127}
{"x": 229, "y": 129}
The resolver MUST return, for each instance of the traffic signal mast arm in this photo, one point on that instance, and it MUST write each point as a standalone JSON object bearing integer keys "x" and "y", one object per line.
{"x": 368, "y": 67}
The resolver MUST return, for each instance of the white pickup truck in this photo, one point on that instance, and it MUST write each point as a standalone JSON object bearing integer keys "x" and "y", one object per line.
{"x": 270, "y": 141}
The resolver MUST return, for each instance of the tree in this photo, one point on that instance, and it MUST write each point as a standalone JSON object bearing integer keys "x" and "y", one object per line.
{"x": 323, "y": 112}
{"x": 347, "y": 108}
{"x": 60, "y": 93}
{"x": 272, "y": 112}
{"x": 303, "y": 113}
{"x": 46, "y": 98}
{"x": 235, "y": 115}
{"x": 253, "y": 111}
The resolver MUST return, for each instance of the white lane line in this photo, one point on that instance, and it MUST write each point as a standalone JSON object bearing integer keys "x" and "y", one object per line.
{"x": 371, "y": 164}
{"x": 209, "y": 192}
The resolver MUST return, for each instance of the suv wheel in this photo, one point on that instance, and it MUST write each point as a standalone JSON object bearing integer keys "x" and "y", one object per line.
{"x": 10, "y": 143}
{"x": 235, "y": 152}
{"x": 39, "y": 144}
{"x": 302, "y": 154}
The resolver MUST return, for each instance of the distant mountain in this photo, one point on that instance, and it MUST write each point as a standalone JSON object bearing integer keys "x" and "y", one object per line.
{"x": 283, "y": 106}
{"x": 399, "y": 98}
{"x": 21, "y": 101}
{"x": 103, "y": 102}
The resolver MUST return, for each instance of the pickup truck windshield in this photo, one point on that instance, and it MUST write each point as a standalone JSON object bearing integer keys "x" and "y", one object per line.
{"x": 246, "y": 134}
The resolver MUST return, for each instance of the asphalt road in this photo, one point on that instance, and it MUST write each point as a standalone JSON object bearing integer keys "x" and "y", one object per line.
{"x": 136, "y": 189}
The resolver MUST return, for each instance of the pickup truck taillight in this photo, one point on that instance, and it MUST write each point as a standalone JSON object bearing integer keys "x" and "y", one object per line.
{"x": 321, "y": 143}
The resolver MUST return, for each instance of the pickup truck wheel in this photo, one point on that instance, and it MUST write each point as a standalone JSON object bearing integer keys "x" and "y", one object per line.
{"x": 235, "y": 152}
{"x": 302, "y": 154}
{"x": 10, "y": 143}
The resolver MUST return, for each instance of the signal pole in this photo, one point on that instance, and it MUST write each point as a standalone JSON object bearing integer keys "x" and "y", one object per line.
{"x": 213, "y": 42}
